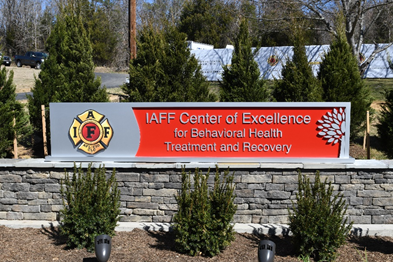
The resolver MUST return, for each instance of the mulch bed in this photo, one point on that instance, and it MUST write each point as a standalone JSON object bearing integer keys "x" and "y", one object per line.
{"x": 45, "y": 244}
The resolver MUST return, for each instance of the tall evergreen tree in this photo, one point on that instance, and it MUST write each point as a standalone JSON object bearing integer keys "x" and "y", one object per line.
{"x": 241, "y": 82}
{"x": 249, "y": 9}
{"x": 68, "y": 73}
{"x": 165, "y": 71}
{"x": 298, "y": 83}
{"x": 341, "y": 82}
{"x": 11, "y": 109}
{"x": 207, "y": 21}
{"x": 101, "y": 32}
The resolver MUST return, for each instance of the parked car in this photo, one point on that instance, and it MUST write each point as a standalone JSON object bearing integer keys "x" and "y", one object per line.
{"x": 44, "y": 55}
{"x": 6, "y": 60}
{"x": 33, "y": 59}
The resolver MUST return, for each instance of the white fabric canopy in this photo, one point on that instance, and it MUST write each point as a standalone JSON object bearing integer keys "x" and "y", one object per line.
{"x": 212, "y": 60}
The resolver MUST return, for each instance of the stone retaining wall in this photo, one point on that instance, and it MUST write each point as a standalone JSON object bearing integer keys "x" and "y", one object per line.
{"x": 30, "y": 190}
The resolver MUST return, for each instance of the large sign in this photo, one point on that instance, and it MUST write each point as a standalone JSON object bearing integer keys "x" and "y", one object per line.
{"x": 208, "y": 132}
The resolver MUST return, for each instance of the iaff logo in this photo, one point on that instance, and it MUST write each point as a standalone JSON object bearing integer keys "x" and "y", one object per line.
{"x": 90, "y": 132}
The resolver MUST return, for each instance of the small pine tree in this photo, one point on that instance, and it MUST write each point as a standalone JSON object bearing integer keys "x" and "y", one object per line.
{"x": 165, "y": 71}
{"x": 68, "y": 73}
{"x": 202, "y": 223}
{"x": 317, "y": 220}
{"x": 341, "y": 82}
{"x": 91, "y": 206}
{"x": 241, "y": 82}
{"x": 298, "y": 83}
{"x": 11, "y": 109}
{"x": 385, "y": 125}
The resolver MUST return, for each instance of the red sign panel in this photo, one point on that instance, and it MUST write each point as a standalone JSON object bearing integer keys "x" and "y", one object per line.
{"x": 243, "y": 132}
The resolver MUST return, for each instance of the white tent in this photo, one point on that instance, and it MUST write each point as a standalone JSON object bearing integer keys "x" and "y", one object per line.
{"x": 272, "y": 59}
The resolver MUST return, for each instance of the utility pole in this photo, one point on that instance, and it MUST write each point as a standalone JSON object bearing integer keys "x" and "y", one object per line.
{"x": 132, "y": 35}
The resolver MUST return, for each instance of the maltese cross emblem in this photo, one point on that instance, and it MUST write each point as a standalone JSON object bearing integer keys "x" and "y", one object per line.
{"x": 90, "y": 132}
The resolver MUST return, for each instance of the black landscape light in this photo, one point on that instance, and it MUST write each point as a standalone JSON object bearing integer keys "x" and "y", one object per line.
{"x": 103, "y": 247}
{"x": 266, "y": 250}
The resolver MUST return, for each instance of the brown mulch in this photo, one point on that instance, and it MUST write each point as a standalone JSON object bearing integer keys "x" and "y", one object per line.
{"x": 44, "y": 244}
{"x": 356, "y": 151}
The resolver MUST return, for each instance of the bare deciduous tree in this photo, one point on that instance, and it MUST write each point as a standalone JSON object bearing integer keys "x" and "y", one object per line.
{"x": 21, "y": 25}
{"x": 359, "y": 18}
{"x": 160, "y": 13}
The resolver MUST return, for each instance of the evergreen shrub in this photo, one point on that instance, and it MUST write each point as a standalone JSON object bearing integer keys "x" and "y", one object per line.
{"x": 14, "y": 120}
{"x": 91, "y": 206}
{"x": 241, "y": 81}
{"x": 341, "y": 82}
{"x": 317, "y": 219}
{"x": 68, "y": 73}
{"x": 202, "y": 223}
{"x": 165, "y": 70}
{"x": 298, "y": 83}
{"x": 385, "y": 125}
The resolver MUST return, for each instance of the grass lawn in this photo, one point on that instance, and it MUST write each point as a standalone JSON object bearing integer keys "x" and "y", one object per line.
{"x": 378, "y": 86}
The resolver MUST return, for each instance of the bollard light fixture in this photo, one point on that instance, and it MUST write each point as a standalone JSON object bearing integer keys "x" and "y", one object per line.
{"x": 103, "y": 246}
{"x": 266, "y": 251}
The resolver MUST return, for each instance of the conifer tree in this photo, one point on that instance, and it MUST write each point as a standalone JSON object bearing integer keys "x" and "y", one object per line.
{"x": 241, "y": 82}
{"x": 11, "y": 109}
{"x": 165, "y": 71}
{"x": 341, "y": 82}
{"x": 385, "y": 125}
{"x": 298, "y": 83}
{"x": 68, "y": 73}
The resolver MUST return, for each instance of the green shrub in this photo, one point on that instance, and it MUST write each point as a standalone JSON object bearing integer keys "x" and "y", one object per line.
{"x": 68, "y": 73}
{"x": 385, "y": 125}
{"x": 14, "y": 120}
{"x": 342, "y": 82}
{"x": 298, "y": 83}
{"x": 317, "y": 220}
{"x": 241, "y": 81}
{"x": 202, "y": 223}
{"x": 91, "y": 206}
{"x": 165, "y": 70}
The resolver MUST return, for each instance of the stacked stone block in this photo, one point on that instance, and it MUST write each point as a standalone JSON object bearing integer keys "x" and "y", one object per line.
{"x": 29, "y": 195}
{"x": 148, "y": 195}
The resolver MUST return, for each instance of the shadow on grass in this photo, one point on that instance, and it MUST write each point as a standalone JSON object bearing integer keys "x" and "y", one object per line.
{"x": 377, "y": 152}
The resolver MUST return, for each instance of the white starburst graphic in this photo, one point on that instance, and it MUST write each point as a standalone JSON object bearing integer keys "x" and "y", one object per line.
{"x": 332, "y": 127}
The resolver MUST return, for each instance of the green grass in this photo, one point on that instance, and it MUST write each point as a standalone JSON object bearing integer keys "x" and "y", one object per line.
{"x": 214, "y": 88}
{"x": 378, "y": 86}
{"x": 116, "y": 93}
{"x": 116, "y": 90}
